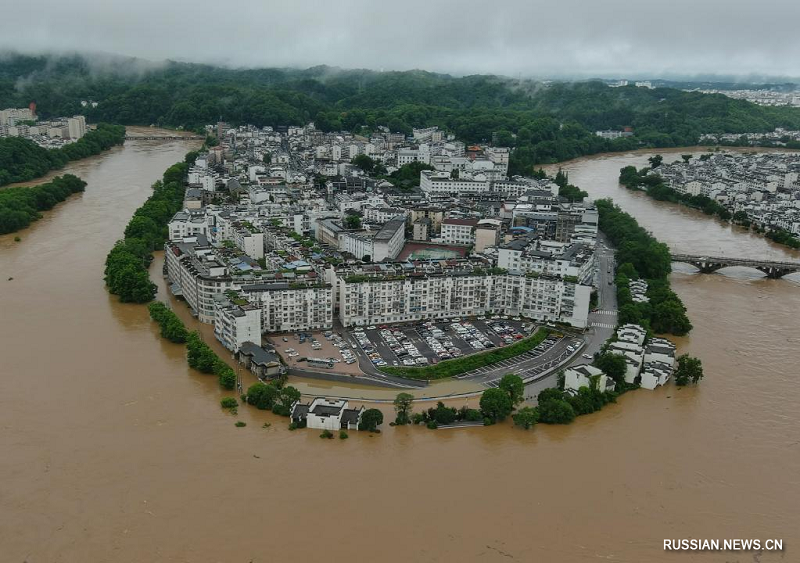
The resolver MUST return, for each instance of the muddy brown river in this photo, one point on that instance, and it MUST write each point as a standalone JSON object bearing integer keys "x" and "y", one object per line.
{"x": 114, "y": 451}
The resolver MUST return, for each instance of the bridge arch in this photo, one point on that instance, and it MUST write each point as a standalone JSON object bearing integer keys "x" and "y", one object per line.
{"x": 711, "y": 264}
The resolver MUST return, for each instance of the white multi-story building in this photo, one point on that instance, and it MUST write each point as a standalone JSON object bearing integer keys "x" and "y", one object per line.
{"x": 389, "y": 241}
{"x": 11, "y": 116}
{"x": 235, "y": 324}
{"x": 432, "y": 182}
{"x": 532, "y": 255}
{"x": 433, "y": 291}
{"x": 195, "y": 274}
{"x": 382, "y": 215}
{"x": 407, "y": 156}
{"x": 76, "y": 127}
{"x": 289, "y": 307}
{"x": 249, "y": 239}
{"x": 459, "y": 231}
{"x": 187, "y": 224}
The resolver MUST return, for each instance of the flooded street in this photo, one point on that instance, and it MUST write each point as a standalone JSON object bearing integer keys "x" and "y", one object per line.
{"x": 113, "y": 450}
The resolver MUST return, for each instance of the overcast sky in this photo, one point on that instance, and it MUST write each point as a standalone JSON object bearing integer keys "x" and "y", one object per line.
{"x": 609, "y": 38}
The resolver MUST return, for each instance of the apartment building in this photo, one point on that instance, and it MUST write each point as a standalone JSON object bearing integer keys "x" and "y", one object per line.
{"x": 459, "y": 231}
{"x": 440, "y": 290}
{"x": 531, "y": 254}
{"x": 196, "y": 274}
{"x": 289, "y": 307}
{"x": 236, "y": 323}
{"x": 432, "y": 182}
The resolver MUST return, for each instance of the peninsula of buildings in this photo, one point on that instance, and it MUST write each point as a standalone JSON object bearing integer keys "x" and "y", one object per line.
{"x": 52, "y": 134}
{"x": 761, "y": 96}
{"x": 281, "y": 232}
{"x": 777, "y": 138}
{"x": 762, "y": 188}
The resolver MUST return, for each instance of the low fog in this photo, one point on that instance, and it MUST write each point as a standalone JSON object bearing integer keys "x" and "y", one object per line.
{"x": 567, "y": 38}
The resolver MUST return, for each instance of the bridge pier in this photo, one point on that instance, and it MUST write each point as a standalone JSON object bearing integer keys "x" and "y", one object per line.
{"x": 775, "y": 273}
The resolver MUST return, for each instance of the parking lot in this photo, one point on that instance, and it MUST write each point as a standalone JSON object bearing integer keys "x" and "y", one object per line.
{"x": 295, "y": 349}
{"x": 427, "y": 343}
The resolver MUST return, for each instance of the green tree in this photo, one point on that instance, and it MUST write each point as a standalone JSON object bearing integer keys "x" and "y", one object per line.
{"x": 655, "y": 161}
{"x": 628, "y": 271}
{"x": 689, "y": 369}
{"x": 364, "y": 162}
{"x": 287, "y": 396}
{"x": 352, "y": 221}
{"x": 614, "y": 366}
{"x": 513, "y": 385}
{"x": 556, "y": 412}
{"x": 262, "y": 395}
{"x": 496, "y": 405}
{"x": 370, "y": 420}
{"x": 526, "y": 417}
{"x": 403, "y": 406}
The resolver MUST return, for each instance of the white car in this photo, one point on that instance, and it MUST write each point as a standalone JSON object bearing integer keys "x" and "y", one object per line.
{"x": 586, "y": 356}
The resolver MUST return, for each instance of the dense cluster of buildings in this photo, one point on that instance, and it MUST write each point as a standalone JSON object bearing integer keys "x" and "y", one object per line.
{"x": 765, "y": 186}
{"x": 55, "y": 133}
{"x": 649, "y": 362}
{"x": 761, "y": 97}
{"x": 281, "y": 232}
{"x": 778, "y": 137}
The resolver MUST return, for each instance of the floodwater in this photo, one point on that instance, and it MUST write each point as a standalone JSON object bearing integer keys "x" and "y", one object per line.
{"x": 113, "y": 450}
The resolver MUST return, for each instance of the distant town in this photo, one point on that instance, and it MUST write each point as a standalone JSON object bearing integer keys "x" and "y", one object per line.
{"x": 762, "y": 189}
{"x": 51, "y": 134}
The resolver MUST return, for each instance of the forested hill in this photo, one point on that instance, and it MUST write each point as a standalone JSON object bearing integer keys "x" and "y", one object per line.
{"x": 545, "y": 122}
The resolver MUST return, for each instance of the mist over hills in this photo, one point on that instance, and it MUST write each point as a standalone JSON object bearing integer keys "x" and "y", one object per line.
{"x": 546, "y": 121}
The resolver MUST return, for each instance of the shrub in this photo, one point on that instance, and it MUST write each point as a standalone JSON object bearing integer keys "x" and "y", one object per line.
{"x": 370, "y": 420}
{"x": 526, "y": 417}
{"x": 326, "y": 434}
{"x": 342, "y": 435}
{"x": 473, "y": 415}
{"x": 240, "y": 424}
{"x": 172, "y": 328}
{"x": 432, "y": 424}
{"x": 229, "y": 403}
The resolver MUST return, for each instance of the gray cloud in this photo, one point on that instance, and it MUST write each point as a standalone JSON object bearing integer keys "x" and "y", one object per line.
{"x": 511, "y": 37}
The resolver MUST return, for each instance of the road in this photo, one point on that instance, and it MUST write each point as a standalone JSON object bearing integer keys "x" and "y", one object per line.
{"x": 602, "y": 321}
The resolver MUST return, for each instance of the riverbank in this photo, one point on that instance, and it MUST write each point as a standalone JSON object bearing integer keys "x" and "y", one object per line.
{"x": 552, "y": 168}
{"x": 100, "y": 412}
{"x": 22, "y": 160}
{"x": 649, "y": 181}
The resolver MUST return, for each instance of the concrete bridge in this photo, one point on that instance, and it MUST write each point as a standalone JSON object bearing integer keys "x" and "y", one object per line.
{"x": 163, "y": 138}
{"x": 710, "y": 264}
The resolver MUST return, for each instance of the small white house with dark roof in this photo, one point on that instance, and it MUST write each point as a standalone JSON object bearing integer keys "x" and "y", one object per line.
{"x": 632, "y": 333}
{"x": 585, "y": 375}
{"x": 327, "y": 414}
{"x": 655, "y": 374}
{"x": 634, "y": 357}
{"x": 660, "y": 350}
